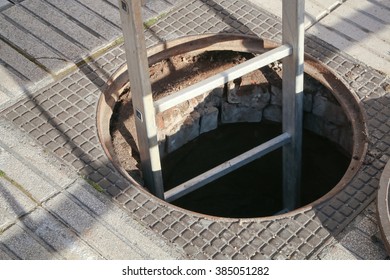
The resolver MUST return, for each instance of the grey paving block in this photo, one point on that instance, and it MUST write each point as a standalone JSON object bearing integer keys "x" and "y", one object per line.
{"x": 45, "y": 33}
{"x": 91, "y": 230}
{"x": 32, "y": 47}
{"x": 120, "y": 222}
{"x": 89, "y": 19}
{"x": 31, "y": 182}
{"x": 24, "y": 245}
{"x": 362, "y": 246}
{"x": 4, "y": 255}
{"x": 337, "y": 252}
{"x": 63, "y": 24}
{"x": 4, "y": 3}
{"x": 13, "y": 85}
{"x": 13, "y": 203}
{"x": 158, "y": 6}
{"x": 22, "y": 65}
{"x": 40, "y": 174}
{"x": 4, "y": 98}
{"x": 104, "y": 10}
{"x": 58, "y": 236}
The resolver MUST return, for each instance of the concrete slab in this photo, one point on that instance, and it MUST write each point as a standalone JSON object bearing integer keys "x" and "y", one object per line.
{"x": 101, "y": 238}
{"x": 4, "y": 255}
{"x": 66, "y": 47}
{"x": 22, "y": 66}
{"x": 61, "y": 238}
{"x": 84, "y": 17}
{"x": 104, "y": 10}
{"x": 314, "y": 10}
{"x": 30, "y": 47}
{"x": 362, "y": 246}
{"x": 13, "y": 204}
{"x": 63, "y": 24}
{"x": 12, "y": 85}
{"x": 4, "y": 3}
{"x": 24, "y": 245}
{"x": 337, "y": 252}
{"x": 358, "y": 27}
{"x": 4, "y": 98}
{"x": 32, "y": 183}
{"x": 27, "y": 163}
{"x": 120, "y": 222}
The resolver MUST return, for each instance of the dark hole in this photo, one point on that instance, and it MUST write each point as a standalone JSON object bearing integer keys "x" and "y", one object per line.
{"x": 254, "y": 190}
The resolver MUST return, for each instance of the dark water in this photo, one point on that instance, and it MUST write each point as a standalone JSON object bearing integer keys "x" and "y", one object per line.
{"x": 254, "y": 190}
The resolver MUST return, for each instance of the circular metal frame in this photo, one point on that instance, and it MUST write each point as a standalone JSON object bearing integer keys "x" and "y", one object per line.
{"x": 241, "y": 43}
{"x": 383, "y": 206}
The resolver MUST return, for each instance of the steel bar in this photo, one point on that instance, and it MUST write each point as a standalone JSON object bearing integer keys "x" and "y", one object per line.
{"x": 226, "y": 167}
{"x": 293, "y": 34}
{"x": 222, "y": 78}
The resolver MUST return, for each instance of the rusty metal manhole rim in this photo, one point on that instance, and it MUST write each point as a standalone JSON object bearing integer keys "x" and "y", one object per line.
{"x": 242, "y": 43}
{"x": 383, "y": 206}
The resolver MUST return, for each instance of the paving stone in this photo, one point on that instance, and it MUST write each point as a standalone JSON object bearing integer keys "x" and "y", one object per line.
{"x": 22, "y": 65}
{"x": 13, "y": 203}
{"x": 58, "y": 236}
{"x": 88, "y": 19}
{"x": 28, "y": 164}
{"x": 104, "y": 10}
{"x": 103, "y": 239}
{"x": 362, "y": 246}
{"x": 33, "y": 48}
{"x": 120, "y": 222}
{"x": 63, "y": 24}
{"x": 32, "y": 183}
{"x": 48, "y": 35}
{"x": 4, "y": 3}
{"x": 4, "y": 99}
{"x": 25, "y": 246}
{"x": 4, "y": 255}
{"x": 12, "y": 85}
{"x": 337, "y": 252}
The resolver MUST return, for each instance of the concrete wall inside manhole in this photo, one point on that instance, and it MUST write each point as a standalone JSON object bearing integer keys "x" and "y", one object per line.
{"x": 206, "y": 131}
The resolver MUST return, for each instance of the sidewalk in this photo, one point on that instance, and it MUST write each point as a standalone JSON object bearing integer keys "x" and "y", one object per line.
{"x": 55, "y": 57}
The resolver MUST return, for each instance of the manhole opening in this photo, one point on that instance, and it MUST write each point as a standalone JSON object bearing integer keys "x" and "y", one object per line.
{"x": 206, "y": 131}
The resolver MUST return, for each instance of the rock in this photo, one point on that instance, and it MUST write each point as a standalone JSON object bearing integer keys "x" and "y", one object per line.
{"x": 346, "y": 139}
{"x": 273, "y": 113}
{"x": 182, "y": 134}
{"x": 314, "y": 124}
{"x": 325, "y": 109}
{"x": 232, "y": 88}
{"x": 233, "y": 113}
{"x": 209, "y": 119}
{"x": 307, "y": 102}
{"x": 276, "y": 96}
{"x": 169, "y": 118}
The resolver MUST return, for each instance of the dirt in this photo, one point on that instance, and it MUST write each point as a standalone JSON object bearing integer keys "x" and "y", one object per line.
{"x": 166, "y": 76}
{"x": 251, "y": 191}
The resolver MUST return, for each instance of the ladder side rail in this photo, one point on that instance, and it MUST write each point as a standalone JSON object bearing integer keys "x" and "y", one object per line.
{"x": 227, "y": 167}
{"x": 293, "y": 34}
{"x": 222, "y": 78}
{"x": 138, "y": 70}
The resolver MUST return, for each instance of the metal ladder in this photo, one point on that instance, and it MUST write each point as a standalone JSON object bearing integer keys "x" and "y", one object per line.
{"x": 292, "y": 54}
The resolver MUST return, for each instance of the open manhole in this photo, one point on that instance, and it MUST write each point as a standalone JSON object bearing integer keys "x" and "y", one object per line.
{"x": 206, "y": 131}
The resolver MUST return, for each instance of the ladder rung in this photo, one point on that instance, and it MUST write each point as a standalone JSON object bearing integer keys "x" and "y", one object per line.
{"x": 226, "y": 167}
{"x": 222, "y": 78}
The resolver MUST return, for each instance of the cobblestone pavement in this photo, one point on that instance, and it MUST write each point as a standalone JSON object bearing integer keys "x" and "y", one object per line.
{"x": 61, "y": 118}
